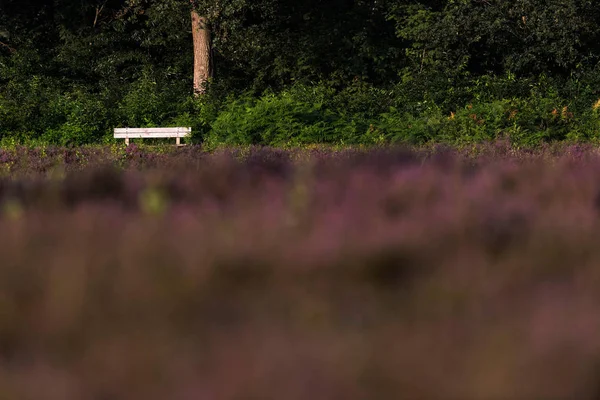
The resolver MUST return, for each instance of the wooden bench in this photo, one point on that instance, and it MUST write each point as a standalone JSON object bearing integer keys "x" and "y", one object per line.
{"x": 152, "y": 133}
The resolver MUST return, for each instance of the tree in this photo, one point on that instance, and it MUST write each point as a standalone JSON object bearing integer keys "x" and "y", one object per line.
{"x": 202, "y": 50}
{"x": 205, "y": 14}
{"x": 479, "y": 37}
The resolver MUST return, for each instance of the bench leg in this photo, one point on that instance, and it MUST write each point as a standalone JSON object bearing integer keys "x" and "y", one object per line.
{"x": 126, "y": 141}
{"x": 178, "y": 141}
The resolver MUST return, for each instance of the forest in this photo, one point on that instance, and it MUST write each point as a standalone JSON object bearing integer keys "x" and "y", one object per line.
{"x": 288, "y": 73}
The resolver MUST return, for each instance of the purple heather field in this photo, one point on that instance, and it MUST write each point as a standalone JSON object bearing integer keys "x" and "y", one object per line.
{"x": 392, "y": 273}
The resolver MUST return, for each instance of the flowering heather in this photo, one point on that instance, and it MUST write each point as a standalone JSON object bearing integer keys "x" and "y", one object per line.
{"x": 317, "y": 273}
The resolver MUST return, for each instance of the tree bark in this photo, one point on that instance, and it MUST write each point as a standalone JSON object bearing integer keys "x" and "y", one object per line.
{"x": 202, "y": 52}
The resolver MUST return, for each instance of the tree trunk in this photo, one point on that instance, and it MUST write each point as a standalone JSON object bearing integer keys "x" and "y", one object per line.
{"x": 202, "y": 52}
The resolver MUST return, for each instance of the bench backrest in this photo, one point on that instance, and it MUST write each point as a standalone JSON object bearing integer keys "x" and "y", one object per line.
{"x": 148, "y": 133}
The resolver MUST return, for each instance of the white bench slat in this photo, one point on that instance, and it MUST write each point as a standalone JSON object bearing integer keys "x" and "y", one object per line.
{"x": 167, "y": 132}
{"x": 148, "y": 135}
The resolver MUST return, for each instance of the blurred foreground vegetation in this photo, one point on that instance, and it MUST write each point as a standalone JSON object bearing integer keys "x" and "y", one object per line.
{"x": 261, "y": 273}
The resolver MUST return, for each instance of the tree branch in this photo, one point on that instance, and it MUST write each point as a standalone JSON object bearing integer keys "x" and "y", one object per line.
{"x": 98, "y": 12}
{"x": 10, "y": 49}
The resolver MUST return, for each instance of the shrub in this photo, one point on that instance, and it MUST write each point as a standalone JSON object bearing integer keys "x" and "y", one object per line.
{"x": 293, "y": 117}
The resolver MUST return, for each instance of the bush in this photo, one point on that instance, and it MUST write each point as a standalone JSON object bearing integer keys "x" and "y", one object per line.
{"x": 298, "y": 116}
{"x": 529, "y": 111}
{"x": 81, "y": 119}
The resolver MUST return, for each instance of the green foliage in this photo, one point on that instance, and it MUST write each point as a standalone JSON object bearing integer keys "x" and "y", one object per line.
{"x": 199, "y": 114}
{"x": 290, "y": 73}
{"x": 524, "y": 37}
{"x": 288, "y": 118}
{"x": 143, "y": 105}
{"x": 526, "y": 121}
{"x": 81, "y": 119}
